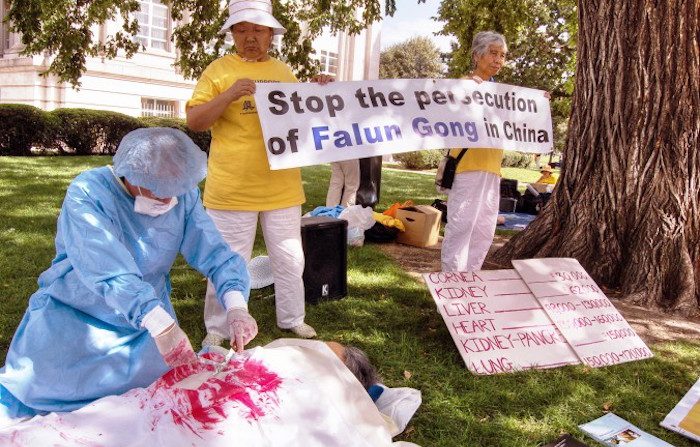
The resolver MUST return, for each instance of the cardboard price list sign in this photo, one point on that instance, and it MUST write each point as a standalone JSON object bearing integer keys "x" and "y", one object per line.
{"x": 597, "y": 332}
{"x": 496, "y": 323}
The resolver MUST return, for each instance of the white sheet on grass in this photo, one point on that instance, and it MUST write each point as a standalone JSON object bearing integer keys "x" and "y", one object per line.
{"x": 289, "y": 393}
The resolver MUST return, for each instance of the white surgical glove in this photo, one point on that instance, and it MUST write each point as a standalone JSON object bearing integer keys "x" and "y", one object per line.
{"x": 171, "y": 341}
{"x": 242, "y": 327}
{"x": 175, "y": 347}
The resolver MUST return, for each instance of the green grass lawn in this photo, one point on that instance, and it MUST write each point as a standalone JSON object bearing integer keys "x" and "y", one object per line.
{"x": 387, "y": 313}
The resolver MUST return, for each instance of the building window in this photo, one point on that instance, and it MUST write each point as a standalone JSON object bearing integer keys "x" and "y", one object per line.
{"x": 329, "y": 62}
{"x": 159, "y": 107}
{"x": 154, "y": 25}
{"x": 4, "y": 27}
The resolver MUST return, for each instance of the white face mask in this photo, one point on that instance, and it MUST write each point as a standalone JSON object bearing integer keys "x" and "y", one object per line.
{"x": 152, "y": 207}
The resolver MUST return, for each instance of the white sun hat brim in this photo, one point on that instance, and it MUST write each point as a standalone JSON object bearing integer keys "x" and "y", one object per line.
{"x": 260, "y": 271}
{"x": 255, "y": 16}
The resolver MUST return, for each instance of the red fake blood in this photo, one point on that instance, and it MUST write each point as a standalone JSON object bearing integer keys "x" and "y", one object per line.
{"x": 244, "y": 385}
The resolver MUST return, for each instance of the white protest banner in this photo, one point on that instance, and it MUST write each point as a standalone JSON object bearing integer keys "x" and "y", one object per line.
{"x": 496, "y": 322}
{"x": 307, "y": 124}
{"x": 598, "y": 333}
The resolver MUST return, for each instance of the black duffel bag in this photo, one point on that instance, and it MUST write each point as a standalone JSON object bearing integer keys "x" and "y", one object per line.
{"x": 381, "y": 233}
{"x": 532, "y": 204}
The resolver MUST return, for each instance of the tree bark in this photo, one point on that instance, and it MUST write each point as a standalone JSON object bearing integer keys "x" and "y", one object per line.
{"x": 626, "y": 204}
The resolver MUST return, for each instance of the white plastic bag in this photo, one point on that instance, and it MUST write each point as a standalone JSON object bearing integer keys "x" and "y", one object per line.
{"x": 359, "y": 219}
{"x": 400, "y": 404}
{"x": 356, "y": 237}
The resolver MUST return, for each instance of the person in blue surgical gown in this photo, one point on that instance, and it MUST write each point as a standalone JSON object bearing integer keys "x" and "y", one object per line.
{"x": 102, "y": 322}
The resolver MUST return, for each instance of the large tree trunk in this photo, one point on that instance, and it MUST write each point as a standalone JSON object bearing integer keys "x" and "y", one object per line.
{"x": 626, "y": 204}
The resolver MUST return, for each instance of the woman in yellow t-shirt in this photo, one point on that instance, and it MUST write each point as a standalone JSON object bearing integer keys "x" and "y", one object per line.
{"x": 240, "y": 188}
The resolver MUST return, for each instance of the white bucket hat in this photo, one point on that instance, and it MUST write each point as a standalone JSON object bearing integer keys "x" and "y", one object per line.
{"x": 260, "y": 270}
{"x": 258, "y": 12}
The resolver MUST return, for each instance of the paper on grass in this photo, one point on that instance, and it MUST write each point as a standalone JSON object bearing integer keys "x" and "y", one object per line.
{"x": 612, "y": 431}
{"x": 685, "y": 416}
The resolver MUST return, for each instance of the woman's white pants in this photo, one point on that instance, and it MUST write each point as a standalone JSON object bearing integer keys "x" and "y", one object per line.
{"x": 472, "y": 209}
{"x": 282, "y": 232}
{"x": 344, "y": 183}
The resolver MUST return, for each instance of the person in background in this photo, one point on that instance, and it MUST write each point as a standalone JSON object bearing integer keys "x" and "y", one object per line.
{"x": 241, "y": 189}
{"x": 547, "y": 178}
{"x": 537, "y": 160}
{"x": 472, "y": 203}
{"x": 102, "y": 322}
{"x": 345, "y": 180}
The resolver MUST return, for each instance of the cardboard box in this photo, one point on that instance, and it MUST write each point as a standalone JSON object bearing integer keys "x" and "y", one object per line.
{"x": 422, "y": 224}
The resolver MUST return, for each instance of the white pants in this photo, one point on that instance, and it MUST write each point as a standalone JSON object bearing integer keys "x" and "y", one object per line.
{"x": 472, "y": 209}
{"x": 282, "y": 231}
{"x": 345, "y": 180}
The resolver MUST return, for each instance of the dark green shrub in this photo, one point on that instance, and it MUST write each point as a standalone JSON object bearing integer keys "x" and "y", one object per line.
{"x": 23, "y": 127}
{"x": 76, "y": 131}
{"x": 512, "y": 159}
{"x": 201, "y": 139}
{"x": 419, "y": 159}
{"x": 85, "y": 131}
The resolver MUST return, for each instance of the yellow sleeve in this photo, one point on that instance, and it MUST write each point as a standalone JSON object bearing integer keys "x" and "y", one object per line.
{"x": 204, "y": 91}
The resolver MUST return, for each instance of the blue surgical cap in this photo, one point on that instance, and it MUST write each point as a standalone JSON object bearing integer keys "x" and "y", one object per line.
{"x": 164, "y": 160}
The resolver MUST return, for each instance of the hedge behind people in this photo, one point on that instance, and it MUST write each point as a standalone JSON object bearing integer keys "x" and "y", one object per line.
{"x": 23, "y": 127}
{"x": 27, "y": 130}
{"x": 429, "y": 159}
{"x": 201, "y": 139}
{"x": 419, "y": 159}
{"x": 86, "y": 131}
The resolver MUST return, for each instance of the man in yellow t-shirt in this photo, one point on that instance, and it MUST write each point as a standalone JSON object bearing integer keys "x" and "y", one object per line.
{"x": 240, "y": 186}
{"x": 472, "y": 203}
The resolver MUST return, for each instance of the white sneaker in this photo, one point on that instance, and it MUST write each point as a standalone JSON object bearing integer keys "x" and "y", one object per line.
{"x": 304, "y": 331}
{"x": 212, "y": 340}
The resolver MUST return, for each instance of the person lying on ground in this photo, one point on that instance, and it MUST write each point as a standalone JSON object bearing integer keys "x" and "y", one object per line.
{"x": 292, "y": 392}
